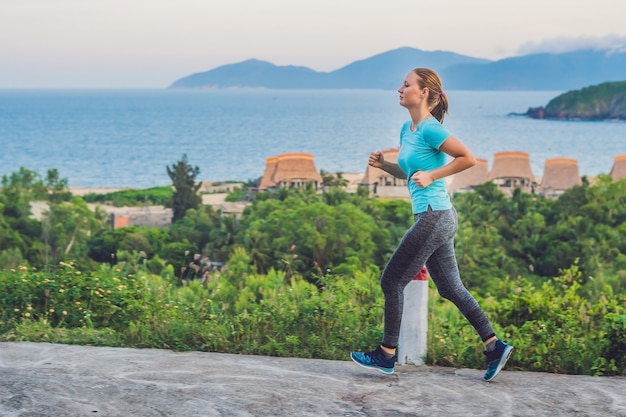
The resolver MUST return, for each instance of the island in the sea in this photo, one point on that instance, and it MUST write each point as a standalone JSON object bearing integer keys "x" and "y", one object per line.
{"x": 606, "y": 101}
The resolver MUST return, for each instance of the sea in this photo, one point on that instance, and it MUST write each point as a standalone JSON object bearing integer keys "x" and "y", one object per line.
{"x": 128, "y": 138}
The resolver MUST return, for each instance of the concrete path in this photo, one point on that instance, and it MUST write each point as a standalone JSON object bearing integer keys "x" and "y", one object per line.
{"x": 51, "y": 380}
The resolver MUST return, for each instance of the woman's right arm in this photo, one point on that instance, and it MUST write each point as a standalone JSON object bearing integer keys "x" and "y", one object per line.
{"x": 377, "y": 160}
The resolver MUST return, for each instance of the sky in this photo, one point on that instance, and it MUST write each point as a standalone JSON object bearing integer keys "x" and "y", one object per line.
{"x": 152, "y": 43}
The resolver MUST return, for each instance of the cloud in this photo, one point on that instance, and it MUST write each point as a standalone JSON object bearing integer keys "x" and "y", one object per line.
{"x": 566, "y": 44}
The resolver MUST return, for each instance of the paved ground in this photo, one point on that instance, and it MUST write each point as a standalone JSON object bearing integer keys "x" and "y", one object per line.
{"x": 39, "y": 379}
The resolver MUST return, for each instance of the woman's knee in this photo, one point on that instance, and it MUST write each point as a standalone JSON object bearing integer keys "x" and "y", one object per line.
{"x": 391, "y": 283}
{"x": 457, "y": 295}
{"x": 447, "y": 294}
{"x": 387, "y": 284}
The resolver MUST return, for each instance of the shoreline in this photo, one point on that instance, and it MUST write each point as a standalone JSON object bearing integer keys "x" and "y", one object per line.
{"x": 208, "y": 187}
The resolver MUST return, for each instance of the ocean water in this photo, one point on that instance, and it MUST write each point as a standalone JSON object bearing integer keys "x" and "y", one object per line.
{"x": 127, "y": 138}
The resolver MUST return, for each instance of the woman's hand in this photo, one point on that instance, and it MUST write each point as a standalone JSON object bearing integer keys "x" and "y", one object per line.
{"x": 376, "y": 159}
{"x": 422, "y": 178}
{"x": 462, "y": 159}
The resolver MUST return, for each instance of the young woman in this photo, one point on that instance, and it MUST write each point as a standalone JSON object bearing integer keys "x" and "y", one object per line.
{"x": 424, "y": 147}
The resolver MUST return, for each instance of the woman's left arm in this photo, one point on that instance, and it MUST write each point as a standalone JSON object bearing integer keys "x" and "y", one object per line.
{"x": 463, "y": 158}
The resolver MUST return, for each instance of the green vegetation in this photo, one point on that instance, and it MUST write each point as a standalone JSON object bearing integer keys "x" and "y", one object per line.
{"x": 333, "y": 180}
{"x": 237, "y": 194}
{"x": 599, "y": 102}
{"x": 185, "y": 197}
{"x": 154, "y": 196}
{"x": 301, "y": 270}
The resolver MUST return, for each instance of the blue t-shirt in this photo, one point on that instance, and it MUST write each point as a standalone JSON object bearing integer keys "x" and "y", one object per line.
{"x": 419, "y": 151}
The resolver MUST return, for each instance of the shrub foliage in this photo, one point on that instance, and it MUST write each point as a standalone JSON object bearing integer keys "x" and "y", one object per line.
{"x": 298, "y": 275}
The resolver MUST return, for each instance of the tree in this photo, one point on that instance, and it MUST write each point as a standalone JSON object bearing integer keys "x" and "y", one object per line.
{"x": 56, "y": 188}
{"x": 185, "y": 196}
{"x": 17, "y": 191}
{"x": 305, "y": 237}
{"x": 333, "y": 180}
{"x": 103, "y": 246}
{"x": 197, "y": 227}
{"x": 18, "y": 229}
{"x": 66, "y": 231}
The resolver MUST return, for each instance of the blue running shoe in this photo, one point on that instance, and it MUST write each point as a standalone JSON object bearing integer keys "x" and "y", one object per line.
{"x": 374, "y": 360}
{"x": 496, "y": 359}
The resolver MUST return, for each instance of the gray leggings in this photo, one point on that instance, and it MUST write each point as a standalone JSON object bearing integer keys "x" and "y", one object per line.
{"x": 430, "y": 242}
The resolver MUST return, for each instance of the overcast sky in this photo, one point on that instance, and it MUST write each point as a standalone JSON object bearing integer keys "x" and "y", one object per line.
{"x": 151, "y": 43}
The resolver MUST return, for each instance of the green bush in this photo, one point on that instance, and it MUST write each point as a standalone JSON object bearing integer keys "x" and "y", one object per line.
{"x": 613, "y": 346}
{"x": 553, "y": 327}
{"x": 65, "y": 297}
{"x": 154, "y": 196}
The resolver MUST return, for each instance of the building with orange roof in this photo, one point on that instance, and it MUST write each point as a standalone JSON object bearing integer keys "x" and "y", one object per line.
{"x": 618, "y": 171}
{"x": 290, "y": 170}
{"x": 466, "y": 180}
{"x": 511, "y": 170}
{"x": 559, "y": 174}
{"x": 267, "y": 180}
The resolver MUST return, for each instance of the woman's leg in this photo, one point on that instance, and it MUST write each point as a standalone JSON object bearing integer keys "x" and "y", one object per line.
{"x": 430, "y": 241}
{"x": 443, "y": 268}
{"x": 430, "y": 230}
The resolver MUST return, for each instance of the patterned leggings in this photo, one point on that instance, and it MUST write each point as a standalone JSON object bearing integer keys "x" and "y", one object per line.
{"x": 430, "y": 242}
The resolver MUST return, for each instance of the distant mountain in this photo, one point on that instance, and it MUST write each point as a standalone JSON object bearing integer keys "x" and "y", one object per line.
{"x": 387, "y": 70}
{"x": 382, "y": 71}
{"x": 564, "y": 71}
{"x": 253, "y": 73}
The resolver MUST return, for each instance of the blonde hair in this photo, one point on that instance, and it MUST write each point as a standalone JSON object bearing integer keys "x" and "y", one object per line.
{"x": 437, "y": 99}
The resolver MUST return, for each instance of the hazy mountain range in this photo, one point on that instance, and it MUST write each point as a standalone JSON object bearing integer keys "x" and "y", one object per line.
{"x": 544, "y": 71}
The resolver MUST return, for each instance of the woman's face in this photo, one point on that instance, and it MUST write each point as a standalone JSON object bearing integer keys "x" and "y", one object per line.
{"x": 411, "y": 93}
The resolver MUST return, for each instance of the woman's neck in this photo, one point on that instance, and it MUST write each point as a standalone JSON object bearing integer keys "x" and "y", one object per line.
{"x": 418, "y": 117}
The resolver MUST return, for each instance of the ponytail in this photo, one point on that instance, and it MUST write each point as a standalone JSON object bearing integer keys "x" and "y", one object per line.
{"x": 441, "y": 108}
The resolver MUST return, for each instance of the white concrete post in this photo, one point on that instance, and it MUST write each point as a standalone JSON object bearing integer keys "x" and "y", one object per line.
{"x": 414, "y": 326}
